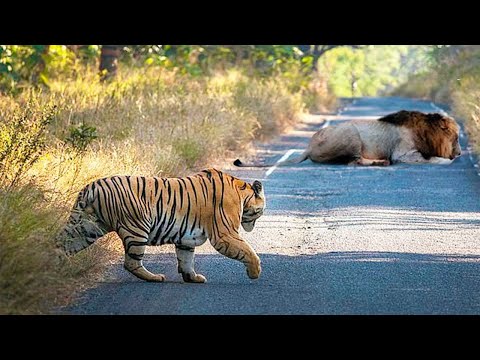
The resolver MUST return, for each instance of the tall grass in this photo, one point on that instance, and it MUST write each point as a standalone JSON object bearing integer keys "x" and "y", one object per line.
{"x": 466, "y": 104}
{"x": 147, "y": 122}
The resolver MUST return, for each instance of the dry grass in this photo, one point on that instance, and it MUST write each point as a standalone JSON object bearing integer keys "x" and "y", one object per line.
{"x": 148, "y": 122}
{"x": 31, "y": 278}
{"x": 423, "y": 86}
{"x": 466, "y": 105}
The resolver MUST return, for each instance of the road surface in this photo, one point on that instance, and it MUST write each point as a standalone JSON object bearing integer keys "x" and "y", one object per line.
{"x": 334, "y": 239}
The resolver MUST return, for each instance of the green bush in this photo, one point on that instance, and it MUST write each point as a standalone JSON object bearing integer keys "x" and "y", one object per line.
{"x": 81, "y": 136}
{"x": 22, "y": 141}
{"x": 147, "y": 122}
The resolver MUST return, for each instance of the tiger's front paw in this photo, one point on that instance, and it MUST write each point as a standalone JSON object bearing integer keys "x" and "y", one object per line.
{"x": 156, "y": 278}
{"x": 194, "y": 278}
{"x": 254, "y": 270}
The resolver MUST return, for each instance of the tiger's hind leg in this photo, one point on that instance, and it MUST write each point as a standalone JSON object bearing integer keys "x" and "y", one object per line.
{"x": 236, "y": 248}
{"x": 134, "y": 251}
{"x": 186, "y": 261}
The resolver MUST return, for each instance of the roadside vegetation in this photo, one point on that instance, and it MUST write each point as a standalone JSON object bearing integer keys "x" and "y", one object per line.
{"x": 72, "y": 114}
{"x": 371, "y": 70}
{"x": 164, "y": 112}
{"x": 452, "y": 78}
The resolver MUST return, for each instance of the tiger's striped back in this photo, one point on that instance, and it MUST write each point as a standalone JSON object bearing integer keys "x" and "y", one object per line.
{"x": 156, "y": 211}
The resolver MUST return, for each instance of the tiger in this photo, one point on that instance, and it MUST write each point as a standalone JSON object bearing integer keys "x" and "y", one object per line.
{"x": 184, "y": 211}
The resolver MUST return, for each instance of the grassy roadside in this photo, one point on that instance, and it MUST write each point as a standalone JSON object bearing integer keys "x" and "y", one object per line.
{"x": 148, "y": 121}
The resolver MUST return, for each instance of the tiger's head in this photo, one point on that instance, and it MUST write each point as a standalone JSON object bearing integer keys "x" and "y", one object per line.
{"x": 254, "y": 205}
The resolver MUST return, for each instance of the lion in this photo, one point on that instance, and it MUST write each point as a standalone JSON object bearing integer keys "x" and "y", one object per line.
{"x": 403, "y": 137}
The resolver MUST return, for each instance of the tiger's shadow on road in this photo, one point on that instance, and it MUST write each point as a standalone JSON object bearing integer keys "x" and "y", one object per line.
{"x": 222, "y": 270}
{"x": 323, "y": 283}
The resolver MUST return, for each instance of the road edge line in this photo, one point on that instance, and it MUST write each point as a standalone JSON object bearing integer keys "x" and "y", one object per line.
{"x": 289, "y": 153}
{"x": 283, "y": 158}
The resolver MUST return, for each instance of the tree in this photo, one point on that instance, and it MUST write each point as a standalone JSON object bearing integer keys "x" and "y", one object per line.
{"x": 372, "y": 69}
{"x": 317, "y": 51}
{"x": 109, "y": 61}
{"x": 42, "y": 52}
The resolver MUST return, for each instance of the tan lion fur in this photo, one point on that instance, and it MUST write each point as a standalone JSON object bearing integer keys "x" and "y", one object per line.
{"x": 404, "y": 136}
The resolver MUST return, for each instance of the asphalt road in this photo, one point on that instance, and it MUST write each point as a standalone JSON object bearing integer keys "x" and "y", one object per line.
{"x": 334, "y": 239}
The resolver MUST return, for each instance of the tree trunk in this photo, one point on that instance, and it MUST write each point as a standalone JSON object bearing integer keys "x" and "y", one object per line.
{"x": 316, "y": 51}
{"x": 40, "y": 68}
{"x": 74, "y": 48}
{"x": 316, "y": 55}
{"x": 109, "y": 61}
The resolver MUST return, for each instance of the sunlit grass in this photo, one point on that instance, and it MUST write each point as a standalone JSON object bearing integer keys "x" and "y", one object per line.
{"x": 466, "y": 104}
{"x": 148, "y": 122}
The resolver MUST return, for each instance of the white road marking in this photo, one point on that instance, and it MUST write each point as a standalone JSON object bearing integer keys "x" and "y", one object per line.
{"x": 469, "y": 149}
{"x": 283, "y": 158}
{"x": 289, "y": 153}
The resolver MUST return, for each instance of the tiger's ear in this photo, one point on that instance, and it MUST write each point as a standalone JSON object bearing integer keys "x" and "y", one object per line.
{"x": 257, "y": 187}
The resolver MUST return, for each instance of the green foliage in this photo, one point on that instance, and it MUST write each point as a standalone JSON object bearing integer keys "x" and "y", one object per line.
{"x": 366, "y": 70}
{"x": 19, "y": 64}
{"x": 22, "y": 141}
{"x": 26, "y": 267}
{"x": 81, "y": 136}
{"x": 371, "y": 70}
{"x": 33, "y": 277}
{"x": 359, "y": 71}
{"x": 58, "y": 60}
{"x": 452, "y": 68}
{"x": 198, "y": 60}
{"x": 151, "y": 120}
{"x": 38, "y": 64}
{"x": 189, "y": 150}
{"x": 271, "y": 103}
{"x": 452, "y": 78}
{"x": 88, "y": 53}
{"x": 7, "y": 74}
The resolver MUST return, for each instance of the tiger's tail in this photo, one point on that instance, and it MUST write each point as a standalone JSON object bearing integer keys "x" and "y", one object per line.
{"x": 83, "y": 226}
{"x": 297, "y": 160}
